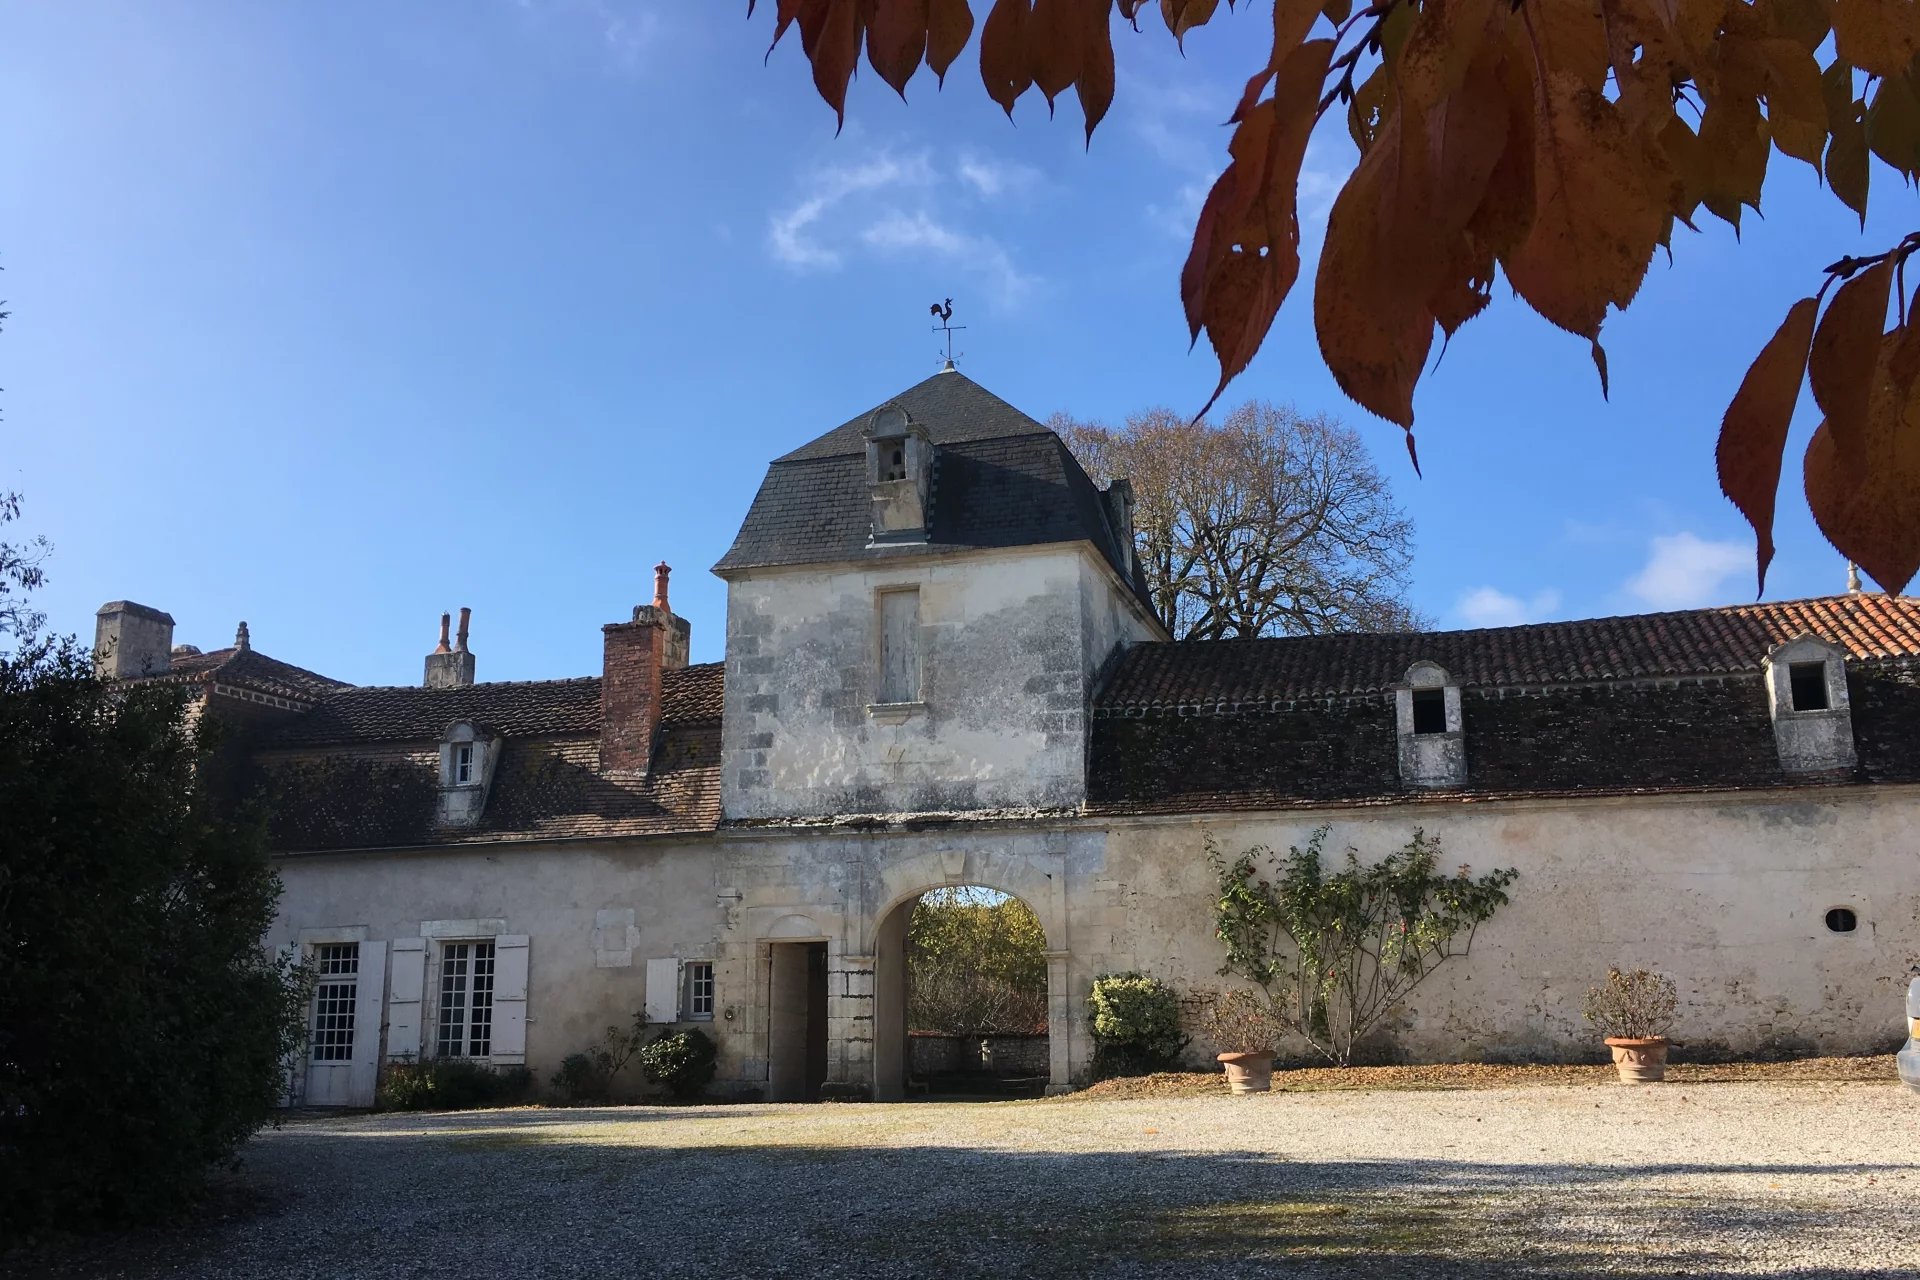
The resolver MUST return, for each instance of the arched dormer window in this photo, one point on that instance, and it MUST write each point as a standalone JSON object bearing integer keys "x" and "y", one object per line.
{"x": 1807, "y": 697}
{"x": 899, "y": 467}
{"x": 466, "y": 769}
{"x": 1433, "y": 750}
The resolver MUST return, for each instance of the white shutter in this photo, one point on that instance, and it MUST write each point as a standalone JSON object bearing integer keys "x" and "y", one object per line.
{"x": 406, "y": 985}
{"x": 663, "y": 991}
{"x": 509, "y": 999}
{"x": 369, "y": 999}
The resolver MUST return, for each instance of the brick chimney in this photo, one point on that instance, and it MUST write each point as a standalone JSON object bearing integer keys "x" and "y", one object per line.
{"x": 636, "y": 653}
{"x": 131, "y": 640}
{"x": 451, "y": 667}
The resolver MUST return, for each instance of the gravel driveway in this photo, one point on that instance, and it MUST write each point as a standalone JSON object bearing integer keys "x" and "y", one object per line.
{"x": 1735, "y": 1179}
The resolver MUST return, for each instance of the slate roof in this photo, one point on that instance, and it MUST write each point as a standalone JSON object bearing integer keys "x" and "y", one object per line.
{"x": 1694, "y": 642}
{"x": 514, "y": 708}
{"x": 1000, "y": 479}
{"x": 361, "y": 770}
{"x": 252, "y": 669}
{"x": 1652, "y": 704}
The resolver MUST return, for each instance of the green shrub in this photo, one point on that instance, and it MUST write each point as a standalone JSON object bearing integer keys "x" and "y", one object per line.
{"x": 450, "y": 1084}
{"x": 588, "y": 1076}
{"x": 1136, "y": 1025}
{"x": 681, "y": 1062}
{"x": 143, "y": 1029}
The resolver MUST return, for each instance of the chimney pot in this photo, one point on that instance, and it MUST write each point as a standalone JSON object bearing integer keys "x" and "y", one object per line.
{"x": 242, "y": 640}
{"x": 660, "y": 574}
{"x": 446, "y": 621}
{"x": 461, "y": 639}
{"x": 450, "y": 668}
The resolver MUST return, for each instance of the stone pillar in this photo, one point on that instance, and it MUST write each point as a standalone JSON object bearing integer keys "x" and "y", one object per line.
{"x": 849, "y": 1030}
{"x": 890, "y": 1007}
{"x": 1059, "y": 1025}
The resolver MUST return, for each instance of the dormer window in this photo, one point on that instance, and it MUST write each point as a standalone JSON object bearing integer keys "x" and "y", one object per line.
{"x": 1432, "y": 747}
{"x": 1429, "y": 711}
{"x": 1807, "y": 681}
{"x": 899, "y": 474}
{"x": 466, "y": 769}
{"x": 1807, "y": 696}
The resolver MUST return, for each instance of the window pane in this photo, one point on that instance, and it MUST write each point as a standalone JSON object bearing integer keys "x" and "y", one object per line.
{"x": 455, "y": 959}
{"x": 700, "y": 989}
{"x": 337, "y": 965}
{"x": 480, "y": 1023}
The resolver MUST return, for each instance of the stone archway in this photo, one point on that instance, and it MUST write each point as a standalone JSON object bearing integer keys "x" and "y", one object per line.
{"x": 890, "y": 1040}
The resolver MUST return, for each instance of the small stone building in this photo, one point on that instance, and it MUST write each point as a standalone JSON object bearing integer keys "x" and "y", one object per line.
{"x": 941, "y": 668}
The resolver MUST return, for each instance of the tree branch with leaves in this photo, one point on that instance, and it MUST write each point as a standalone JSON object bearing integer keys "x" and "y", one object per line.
{"x": 1555, "y": 143}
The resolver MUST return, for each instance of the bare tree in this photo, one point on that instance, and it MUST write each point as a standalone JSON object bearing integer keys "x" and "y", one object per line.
{"x": 1267, "y": 523}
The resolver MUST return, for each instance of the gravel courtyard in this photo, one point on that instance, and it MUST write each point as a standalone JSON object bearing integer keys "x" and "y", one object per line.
{"x": 1703, "y": 1180}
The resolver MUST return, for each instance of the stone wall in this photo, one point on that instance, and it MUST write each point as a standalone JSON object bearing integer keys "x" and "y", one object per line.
{"x": 930, "y": 1053}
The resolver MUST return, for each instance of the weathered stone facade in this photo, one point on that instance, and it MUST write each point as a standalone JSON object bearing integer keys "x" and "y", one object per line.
{"x": 941, "y": 669}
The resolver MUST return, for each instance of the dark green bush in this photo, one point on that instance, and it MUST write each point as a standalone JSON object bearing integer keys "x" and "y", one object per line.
{"x": 1135, "y": 1021}
{"x": 143, "y": 1028}
{"x": 451, "y": 1084}
{"x": 589, "y": 1076}
{"x": 681, "y": 1062}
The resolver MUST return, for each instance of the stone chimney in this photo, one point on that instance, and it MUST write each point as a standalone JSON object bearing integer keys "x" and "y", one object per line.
{"x": 131, "y": 640}
{"x": 451, "y": 667}
{"x": 636, "y": 653}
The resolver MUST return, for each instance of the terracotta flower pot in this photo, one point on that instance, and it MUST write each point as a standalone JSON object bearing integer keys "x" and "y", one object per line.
{"x": 1639, "y": 1061}
{"x": 1248, "y": 1072}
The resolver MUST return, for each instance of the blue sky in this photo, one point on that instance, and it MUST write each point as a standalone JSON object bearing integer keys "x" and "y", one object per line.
{"x": 334, "y": 316}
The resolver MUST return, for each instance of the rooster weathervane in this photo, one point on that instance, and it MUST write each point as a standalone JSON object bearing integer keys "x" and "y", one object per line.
{"x": 944, "y": 314}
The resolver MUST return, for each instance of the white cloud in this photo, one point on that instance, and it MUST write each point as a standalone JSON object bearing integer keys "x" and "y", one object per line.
{"x": 881, "y": 206}
{"x": 991, "y": 177}
{"x": 1684, "y": 571}
{"x": 1492, "y": 607}
{"x": 793, "y": 236}
{"x": 919, "y": 234}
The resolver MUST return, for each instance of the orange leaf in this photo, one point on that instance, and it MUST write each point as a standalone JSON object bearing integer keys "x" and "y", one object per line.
{"x": 1246, "y": 248}
{"x": 1753, "y": 434}
{"x": 1572, "y": 38}
{"x": 1733, "y": 155}
{"x": 1292, "y": 20}
{"x": 1869, "y": 507}
{"x": 1846, "y": 348}
{"x": 1445, "y": 38}
{"x": 896, "y": 41}
{"x": 830, "y": 34}
{"x": 1877, "y": 36}
{"x": 1184, "y": 15}
{"x": 1095, "y": 86}
{"x": 1595, "y": 223}
{"x": 1846, "y": 165}
{"x": 1053, "y": 46}
{"x": 949, "y": 24}
{"x": 1004, "y": 64}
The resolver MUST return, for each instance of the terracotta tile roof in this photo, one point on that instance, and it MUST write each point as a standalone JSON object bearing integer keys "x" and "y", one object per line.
{"x": 252, "y": 669}
{"x": 1695, "y": 642}
{"x": 515, "y": 708}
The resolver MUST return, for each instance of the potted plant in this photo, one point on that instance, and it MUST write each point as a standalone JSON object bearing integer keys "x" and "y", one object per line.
{"x": 1634, "y": 1011}
{"x": 1241, "y": 1018}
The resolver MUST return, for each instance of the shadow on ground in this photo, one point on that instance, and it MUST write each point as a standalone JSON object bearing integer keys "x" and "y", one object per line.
{"x": 629, "y": 1193}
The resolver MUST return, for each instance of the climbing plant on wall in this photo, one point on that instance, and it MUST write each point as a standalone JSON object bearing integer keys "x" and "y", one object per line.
{"x": 1332, "y": 950}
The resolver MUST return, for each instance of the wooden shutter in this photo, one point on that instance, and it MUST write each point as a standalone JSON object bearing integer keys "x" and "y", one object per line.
{"x": 406, "y": 983}
{"x": 369, "y": 999}
{"x": 900, "y": 646}
{"x": 509, "y": 999}
{"x": 663, "y": 990}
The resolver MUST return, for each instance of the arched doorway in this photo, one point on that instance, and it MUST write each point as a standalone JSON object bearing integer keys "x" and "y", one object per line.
{"x": 963, "y": 987}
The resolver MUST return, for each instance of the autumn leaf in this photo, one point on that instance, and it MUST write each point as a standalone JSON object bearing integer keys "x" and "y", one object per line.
{"x": 1846, "y": 348}
{"x": 1753, "y": 434}
{"x": 1246, "y": 249}
{"x": 1004, "y": 65}
{"x": 1053, "y": 38}
{"x": 949, "y": 26}
{"x": 1184, "y": 15}
{"x": 1869, "y": 507}
{"x": 1595, "y": 223}
{"x": 1878, "y": 36}
{"x": 1893, "y": 124}
{"x": 896, "y": 41}
{"x": 1095, "y": 85}
{"x": 830, "y": 35}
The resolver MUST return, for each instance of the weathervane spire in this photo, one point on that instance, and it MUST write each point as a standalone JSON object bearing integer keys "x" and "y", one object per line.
{"x": 944, "y": 314}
